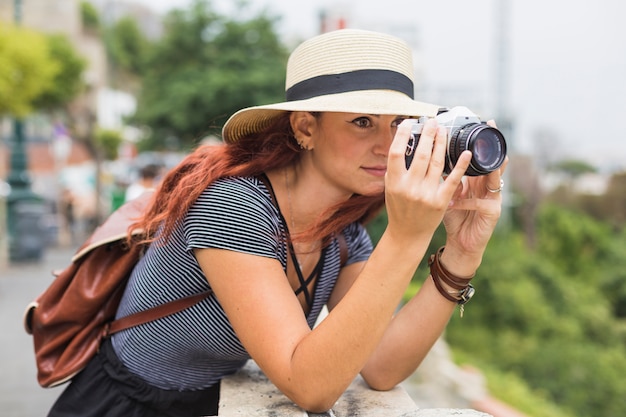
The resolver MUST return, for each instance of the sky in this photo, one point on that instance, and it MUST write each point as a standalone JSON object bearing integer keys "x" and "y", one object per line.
{"x": 564, "y": 71}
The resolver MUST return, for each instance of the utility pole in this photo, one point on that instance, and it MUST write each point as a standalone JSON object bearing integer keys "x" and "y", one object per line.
{"x": 502, "y": 96}
{"x": 24, "y": 208}
{"x": 502, "y": 99}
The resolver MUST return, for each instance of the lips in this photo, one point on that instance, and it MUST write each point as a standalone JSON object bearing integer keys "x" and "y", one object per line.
{"x": 377, "y": 171}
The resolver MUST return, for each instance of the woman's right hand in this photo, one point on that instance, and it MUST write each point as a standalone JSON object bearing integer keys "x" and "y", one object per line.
{"x": 417, "y": 198}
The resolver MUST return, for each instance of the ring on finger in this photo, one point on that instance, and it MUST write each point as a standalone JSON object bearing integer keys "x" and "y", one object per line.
{"x": 496, "y": 190}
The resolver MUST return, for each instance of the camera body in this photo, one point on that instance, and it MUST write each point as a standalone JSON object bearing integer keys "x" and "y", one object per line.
{"x": 465, "y": 132}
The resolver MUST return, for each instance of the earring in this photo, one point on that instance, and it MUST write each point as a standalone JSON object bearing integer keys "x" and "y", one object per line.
{"x": 304, "y": 146}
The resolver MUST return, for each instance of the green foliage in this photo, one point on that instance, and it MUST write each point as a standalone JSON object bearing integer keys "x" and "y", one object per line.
{"x": 127, "y": 47}
{"x": 67, "y": 82}
{"x": 89, "y": 16}
{"x": 26, "y": 69}
{"x": 37, "y": 71}
{"x": 109, "y": 142}
{"x": 583, "y": 241}
{"x": 549, "y": 317}
{"x": 205, "y": 68}
{"x": 518, "y": 394}
{"x": 610, "y": 206}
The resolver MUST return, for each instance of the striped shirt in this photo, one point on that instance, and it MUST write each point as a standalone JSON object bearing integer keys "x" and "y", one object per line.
{"x": 195, "y": 348}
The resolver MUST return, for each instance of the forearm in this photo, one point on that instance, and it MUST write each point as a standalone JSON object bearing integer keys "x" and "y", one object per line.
{"x": 409, "y": 337}
{"x": 413, "y": 331}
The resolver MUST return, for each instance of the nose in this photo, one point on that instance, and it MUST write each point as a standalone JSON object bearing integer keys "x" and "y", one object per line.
{"x": 384, "y": 141}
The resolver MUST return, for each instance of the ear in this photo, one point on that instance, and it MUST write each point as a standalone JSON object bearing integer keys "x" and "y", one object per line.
{"x": 303, "y": 124}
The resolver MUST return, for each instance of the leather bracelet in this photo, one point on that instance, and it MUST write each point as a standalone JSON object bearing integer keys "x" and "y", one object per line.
{"x": 440, "y": 274}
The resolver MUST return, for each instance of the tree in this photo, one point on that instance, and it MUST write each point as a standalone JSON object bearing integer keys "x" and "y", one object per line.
{"x": 109, "y": 141}
{"x": 616, "y": 199}
{"x": 128, "y": 51}
{"x": 552, "y": 316}
{"x": 204, "y": 69}
{"x": 37, "y": 72}
{"x": 67, "y": 82}
{"x": 27, "y": 69}
{"x": 573, "y": 168}
{"x": 89, "y": 16}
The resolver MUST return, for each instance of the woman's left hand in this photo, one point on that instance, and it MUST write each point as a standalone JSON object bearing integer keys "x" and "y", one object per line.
{"x": 473, "y": 214}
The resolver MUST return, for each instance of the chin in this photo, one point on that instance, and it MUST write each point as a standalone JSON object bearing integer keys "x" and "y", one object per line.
{"x": 372, "y": 190}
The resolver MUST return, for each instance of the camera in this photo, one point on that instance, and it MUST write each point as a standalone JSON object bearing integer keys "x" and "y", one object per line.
{"x": 465, "y": 132}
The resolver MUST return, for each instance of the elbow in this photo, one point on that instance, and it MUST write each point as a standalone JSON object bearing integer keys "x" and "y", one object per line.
{"x": 318, "y": 408}
{"x": 321, "y": 400}
{"x": 381, "y": 385}
{"x": 385, "y": 377}
{"x": 318, "y": 405}
{"x": 379, "y": 382}
{"x": 314, "y": 402}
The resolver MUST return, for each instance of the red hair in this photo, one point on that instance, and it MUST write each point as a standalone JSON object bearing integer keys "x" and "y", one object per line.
{"x": 274, "y": 147}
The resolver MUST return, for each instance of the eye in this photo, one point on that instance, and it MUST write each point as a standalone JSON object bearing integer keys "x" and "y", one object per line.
{"x": 362, "y": 122}
{"x": 399, "y": 120}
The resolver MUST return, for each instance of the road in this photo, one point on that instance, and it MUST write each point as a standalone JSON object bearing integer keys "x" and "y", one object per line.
{"x": 20, "y": 395}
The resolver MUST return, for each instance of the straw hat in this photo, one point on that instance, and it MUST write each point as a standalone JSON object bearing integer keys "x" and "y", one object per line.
{"x": 346, "y": 70}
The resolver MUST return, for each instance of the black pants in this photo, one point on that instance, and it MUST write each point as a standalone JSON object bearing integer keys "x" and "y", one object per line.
{"x": 105, "y": 388}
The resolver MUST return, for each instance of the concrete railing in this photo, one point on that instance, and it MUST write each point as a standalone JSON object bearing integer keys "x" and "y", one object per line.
{"x": 249, "y": 393}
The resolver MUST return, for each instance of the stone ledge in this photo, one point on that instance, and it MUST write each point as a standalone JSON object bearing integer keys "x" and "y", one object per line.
{"x": 249, "y": 393}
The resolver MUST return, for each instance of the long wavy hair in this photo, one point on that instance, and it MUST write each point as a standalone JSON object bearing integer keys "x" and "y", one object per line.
{"x": 271, "y": 148}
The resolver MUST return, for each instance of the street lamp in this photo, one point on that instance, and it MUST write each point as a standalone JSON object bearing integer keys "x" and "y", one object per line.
{"x": 24, "y": 208}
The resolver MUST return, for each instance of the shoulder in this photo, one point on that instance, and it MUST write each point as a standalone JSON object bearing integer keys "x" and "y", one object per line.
{"x": 241, "y": 192}
{"x": 231, "y": 213}
{"x": 238, "y": 185}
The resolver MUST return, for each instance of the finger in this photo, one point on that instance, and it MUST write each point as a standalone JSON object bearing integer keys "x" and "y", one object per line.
{"x": 504, "y": 165}
{"x": 494, "y": 182}
{"x": 455, "y": 177}
{"x": 425, "y": 148}
{"x": 494, "y": 189}
{"x": 438, "y": 156}
{"x": 398, "y": 148}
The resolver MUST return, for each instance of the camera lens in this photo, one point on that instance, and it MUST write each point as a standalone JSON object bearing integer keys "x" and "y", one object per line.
{"x": 486, "y": 143}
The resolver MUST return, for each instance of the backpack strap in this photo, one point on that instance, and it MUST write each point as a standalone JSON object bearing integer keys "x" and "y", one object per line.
{"x": 116, "y": 227}
{"x": 154, "y": 313}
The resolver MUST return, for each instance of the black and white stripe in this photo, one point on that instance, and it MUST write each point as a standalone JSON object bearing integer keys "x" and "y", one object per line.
{"x": 195, "y": 348}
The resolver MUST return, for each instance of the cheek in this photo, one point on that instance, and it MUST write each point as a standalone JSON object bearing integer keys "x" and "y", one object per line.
{"x": 349, "y": 148}
{"x": 348, "y": 151}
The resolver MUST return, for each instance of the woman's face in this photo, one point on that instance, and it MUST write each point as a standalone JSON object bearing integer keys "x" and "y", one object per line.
{"x": 350, "y": 149}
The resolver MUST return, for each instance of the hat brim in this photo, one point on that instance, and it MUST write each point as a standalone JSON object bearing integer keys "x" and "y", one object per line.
{"x": 255, "y": 119}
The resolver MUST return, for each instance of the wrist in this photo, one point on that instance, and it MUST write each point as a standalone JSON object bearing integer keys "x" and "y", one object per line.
{"x": 460, "y": 263}
{"x": 453, "y": 287}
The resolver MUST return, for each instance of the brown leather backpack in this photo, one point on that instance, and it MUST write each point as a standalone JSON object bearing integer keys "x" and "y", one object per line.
{"x": 71, "y": 317}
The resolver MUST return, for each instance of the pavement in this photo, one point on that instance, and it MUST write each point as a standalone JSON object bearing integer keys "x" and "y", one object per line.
{"x": 20, "y": 394}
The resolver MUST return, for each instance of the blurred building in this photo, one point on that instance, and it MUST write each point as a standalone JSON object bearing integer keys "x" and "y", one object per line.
{"x": 56, "y": 160}
{"x": 113, "y": 10}
{"x": 62, "y": 17}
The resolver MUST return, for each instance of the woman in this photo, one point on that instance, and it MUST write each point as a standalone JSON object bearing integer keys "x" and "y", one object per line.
{"x": 263, "y": 221}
